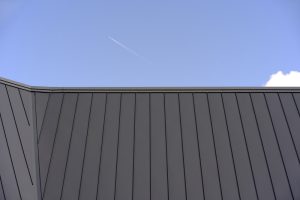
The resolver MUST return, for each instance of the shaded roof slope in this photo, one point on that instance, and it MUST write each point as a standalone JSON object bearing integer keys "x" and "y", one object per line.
{"x": 142, "y": 143}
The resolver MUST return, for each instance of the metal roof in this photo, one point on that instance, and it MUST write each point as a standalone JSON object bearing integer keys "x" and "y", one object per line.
{"x": 149, "y": 143}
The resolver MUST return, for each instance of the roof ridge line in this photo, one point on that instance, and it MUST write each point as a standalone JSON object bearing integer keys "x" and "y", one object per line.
{"x": 145, "y": 89}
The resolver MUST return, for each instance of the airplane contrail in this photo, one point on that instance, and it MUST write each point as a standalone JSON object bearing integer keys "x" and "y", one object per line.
{"x": 123, "y": 46}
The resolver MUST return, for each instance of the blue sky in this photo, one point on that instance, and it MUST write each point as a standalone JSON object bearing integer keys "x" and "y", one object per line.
{"x": 148, "y": 43}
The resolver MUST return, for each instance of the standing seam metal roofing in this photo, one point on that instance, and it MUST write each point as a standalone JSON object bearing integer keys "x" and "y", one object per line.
{"x": 149, "y": 143}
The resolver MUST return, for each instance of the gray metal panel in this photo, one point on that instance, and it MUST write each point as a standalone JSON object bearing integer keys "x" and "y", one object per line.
{"x": 24, "y": 129}
{"x": 108, "y": 161}
{"x": 243, "y": 166}
{"x": 297, "y": 101}
{"x": 290, "y": 157}
{"x": 142, "y": 148}
{"x": 73, "y": 168}
{"x": 15, "y": 143}
{"x": 256, "y": 150}
{"x": 48, "y": 133}
{"x": 225, "y": 161}
{"x": 7, "y": 168}
{"x": 273, "y": 153}
{"x": 159, "y": 163}
{"x": 212, "y": 185}
{"x": 41, "y": 104}
{"x": 125, "y": 155}
{"x": 56, "y": 169}
{"x": 2, "y": 194}
{"x": 35, "y": 145}
{"x": 176, "y": 168}
{"x": 89, "y": 182}
{"x": 149, "y": 145}
{"x": 190, "y": 148}
{"x": 292, "y": 116}
{"x": 26, "y": 99}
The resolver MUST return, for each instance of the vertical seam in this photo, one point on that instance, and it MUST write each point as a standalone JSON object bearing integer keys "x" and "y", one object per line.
{"x": 40, "y": 180}
{"x": 182, "y": 150}
{"x": 150, "y": 155}
{"x": 54, "y": 142}
{"x": 295, "y": 103}
{"x": 167, "y": 162}
{"x": 133, "y": 149}
{"x": 247, "y": 148}
{"x": 117, "y": 156}
{"x": 101, "y": 147}
{"x": 215, "y": 150}
{"x": 279, "y": 148}
{"x": 85, "y": 145}
{"x": 44, "y": 116}
{"x": 69, "y": 146}
{"x": 17, "y": 129}
{"x": 2, "y": 188}
{"x": 199, "y": 151}
{"x": 38, "y": 152}
{"x": 289, "y": 128}
{"x": 231, "y": 151}
{"x": 12, "y": 163}
{"x": 23, "y": 107}
{"x": 262, "y": 145}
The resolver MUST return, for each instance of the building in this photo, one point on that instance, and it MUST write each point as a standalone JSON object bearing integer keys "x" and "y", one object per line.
{"x": 149, "y": 143}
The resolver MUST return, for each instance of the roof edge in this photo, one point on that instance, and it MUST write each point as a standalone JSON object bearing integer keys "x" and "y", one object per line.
{"x": 15, "y": 84}
{"x": 144, "y": 89}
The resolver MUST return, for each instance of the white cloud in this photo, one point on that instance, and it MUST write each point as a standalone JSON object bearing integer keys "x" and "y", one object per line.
{"x": 279, "y": 79}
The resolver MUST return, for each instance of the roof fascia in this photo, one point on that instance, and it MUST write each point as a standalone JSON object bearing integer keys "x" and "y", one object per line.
{"x": 148, "y": 89}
